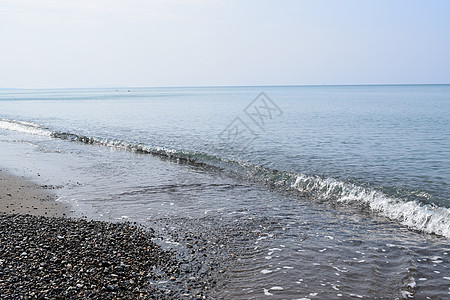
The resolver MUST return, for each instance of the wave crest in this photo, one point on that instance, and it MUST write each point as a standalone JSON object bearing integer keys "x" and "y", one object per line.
{"x": 25, "y": 127}
{"x": 425, "y": 218}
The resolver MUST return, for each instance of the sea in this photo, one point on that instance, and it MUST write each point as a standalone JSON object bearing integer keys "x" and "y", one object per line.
{"x": 316, "y": 192}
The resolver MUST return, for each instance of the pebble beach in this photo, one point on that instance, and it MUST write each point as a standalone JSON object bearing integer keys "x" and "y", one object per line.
{"x": 45, "y": 255}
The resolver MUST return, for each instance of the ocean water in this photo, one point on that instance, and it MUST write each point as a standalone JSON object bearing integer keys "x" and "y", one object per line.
{"x": 334, "y": 191}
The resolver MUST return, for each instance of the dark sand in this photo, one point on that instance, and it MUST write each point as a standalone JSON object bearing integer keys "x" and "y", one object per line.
{"x": 44, "y": 255}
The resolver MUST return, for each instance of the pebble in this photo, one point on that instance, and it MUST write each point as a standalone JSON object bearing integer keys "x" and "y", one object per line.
{"x": 62, "y": 258}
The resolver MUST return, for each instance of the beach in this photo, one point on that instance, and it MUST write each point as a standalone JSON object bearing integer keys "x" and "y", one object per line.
{"x": 46, "y": 255}
{"x": 330, "y": 197}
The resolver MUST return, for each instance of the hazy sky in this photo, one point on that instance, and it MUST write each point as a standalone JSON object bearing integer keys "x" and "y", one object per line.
{"x": 88, "y": 43}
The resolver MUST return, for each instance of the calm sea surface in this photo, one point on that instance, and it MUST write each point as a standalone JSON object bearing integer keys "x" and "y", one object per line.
{"x": 337, "y": 191}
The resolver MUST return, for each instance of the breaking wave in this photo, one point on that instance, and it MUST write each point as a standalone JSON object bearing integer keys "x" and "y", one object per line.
{"x": 26, "y": 127}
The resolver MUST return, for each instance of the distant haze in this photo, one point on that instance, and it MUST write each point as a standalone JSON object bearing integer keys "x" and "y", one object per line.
{"x": 57, "y": 43}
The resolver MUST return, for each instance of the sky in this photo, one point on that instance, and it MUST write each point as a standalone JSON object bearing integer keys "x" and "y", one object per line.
{"x": 107, "y": 43}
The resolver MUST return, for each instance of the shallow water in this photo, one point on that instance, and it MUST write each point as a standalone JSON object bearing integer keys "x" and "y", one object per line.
{"x": 303, "y": 209}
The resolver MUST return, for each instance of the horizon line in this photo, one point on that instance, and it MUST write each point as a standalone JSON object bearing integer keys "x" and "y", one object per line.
{"x": 221, "y": 86}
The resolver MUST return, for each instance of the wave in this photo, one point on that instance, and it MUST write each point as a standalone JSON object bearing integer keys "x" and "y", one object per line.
{"x": 428, "y": 218}
{"x": 25, "y": 127}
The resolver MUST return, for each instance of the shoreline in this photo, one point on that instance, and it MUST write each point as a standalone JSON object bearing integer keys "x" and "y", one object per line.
{"x": 45, "y": 254}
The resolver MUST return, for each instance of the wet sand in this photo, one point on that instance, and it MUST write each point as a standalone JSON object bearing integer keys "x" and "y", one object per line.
{"x": 19, "y": 196}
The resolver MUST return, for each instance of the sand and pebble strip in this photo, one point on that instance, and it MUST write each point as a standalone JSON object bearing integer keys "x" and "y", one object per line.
{"x": 55, "y": 257}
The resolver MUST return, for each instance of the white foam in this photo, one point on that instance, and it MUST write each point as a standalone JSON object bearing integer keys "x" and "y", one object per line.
{"x": 437, "y": 261}
{"x": 436, "y": 258}
{"x": 25, "y": 127}
{"x": 406, "y": 294}
{"x": 343, "y": 270}
{"x": 267, "y": 293}
{"x": 426, "y": 218}
{"x": 412, "y": 282}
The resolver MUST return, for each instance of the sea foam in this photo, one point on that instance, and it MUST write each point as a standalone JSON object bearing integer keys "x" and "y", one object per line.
{"x": 25, "y": 127}
{"x": 426, "y": 218}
